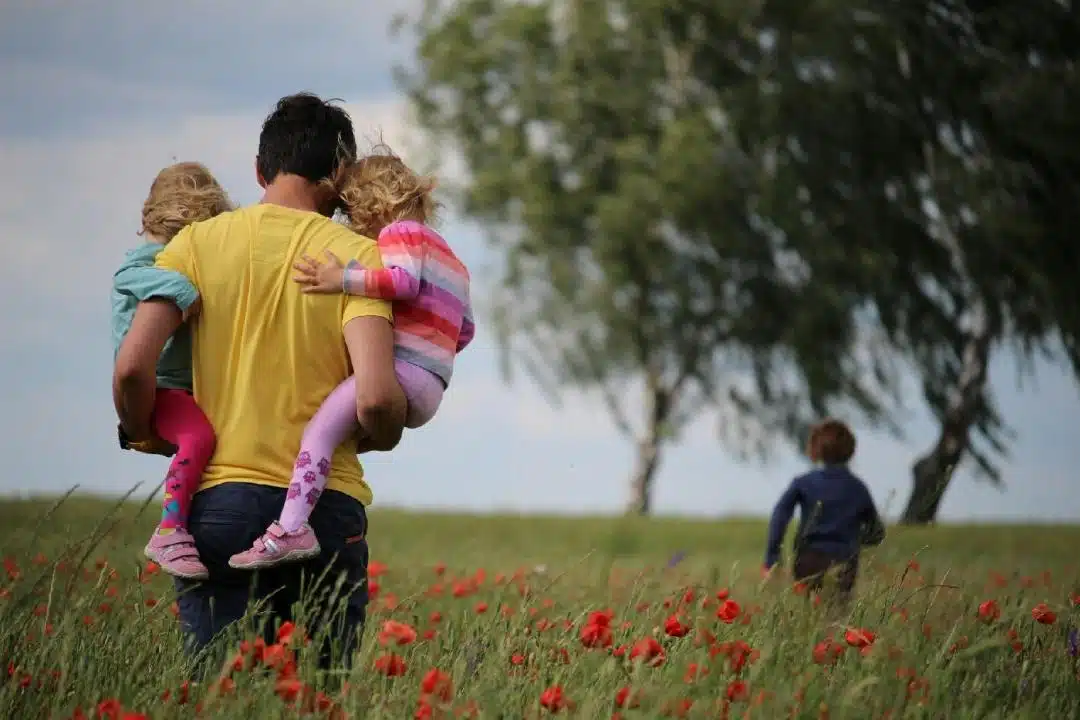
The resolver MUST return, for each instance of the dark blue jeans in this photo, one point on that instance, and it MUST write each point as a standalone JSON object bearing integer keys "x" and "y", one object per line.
{"x": 227, "y": 519}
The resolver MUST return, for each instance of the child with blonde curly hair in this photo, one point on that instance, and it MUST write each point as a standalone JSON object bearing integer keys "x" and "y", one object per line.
{"x": 181, "y": 194}
{"x": 429, "y": 288}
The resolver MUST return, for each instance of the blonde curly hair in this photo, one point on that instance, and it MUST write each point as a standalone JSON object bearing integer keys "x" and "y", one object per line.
{"x": 181, "y": 194}
{"x": 379, "y": 189}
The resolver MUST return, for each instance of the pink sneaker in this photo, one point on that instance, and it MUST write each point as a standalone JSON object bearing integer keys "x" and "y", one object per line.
{"x": 277, "y": 546}
{"x": 176, "y": 554}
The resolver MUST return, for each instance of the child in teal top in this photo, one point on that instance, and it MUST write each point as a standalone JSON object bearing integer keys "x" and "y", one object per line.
{"x": 136, "y": 280}
{"x": 180, "y": 195}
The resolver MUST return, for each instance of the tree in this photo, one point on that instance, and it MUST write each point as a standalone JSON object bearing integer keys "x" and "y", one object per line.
{"x": 904, "y": 106}
{"x": 983, "y": 196}
{"x": 846, "y": 111}
{"x": 1022, "y": 264}
{"x": 669, "y": 179}
{"x": 629, "y": 212}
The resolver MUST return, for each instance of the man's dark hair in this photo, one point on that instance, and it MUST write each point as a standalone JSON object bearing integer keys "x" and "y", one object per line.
{"x": 307, "y": 136}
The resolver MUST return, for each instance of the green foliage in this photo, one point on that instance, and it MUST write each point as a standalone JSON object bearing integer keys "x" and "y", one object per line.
{"x": 616, "y": 180}
{"x": 754, "y": 207}
{"x": 907, "y": 175}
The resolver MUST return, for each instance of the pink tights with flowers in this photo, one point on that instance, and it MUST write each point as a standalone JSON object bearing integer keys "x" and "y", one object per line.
{"x": 335, "y": 422}
{"x": 332, "y": 425}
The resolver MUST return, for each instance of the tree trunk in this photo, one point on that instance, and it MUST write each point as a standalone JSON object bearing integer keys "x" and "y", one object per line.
{"x": 641, "y": 482}
{"x": 930, "y": 478}
{"x": 932, "y": 472}
{"x": 649, "y": 445}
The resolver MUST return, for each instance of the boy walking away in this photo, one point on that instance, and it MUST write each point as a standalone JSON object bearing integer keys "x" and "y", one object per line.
{"x": 836, "y": 514}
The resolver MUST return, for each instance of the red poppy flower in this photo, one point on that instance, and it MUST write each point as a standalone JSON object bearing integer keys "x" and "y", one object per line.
{"x": 728, "y": 611}
{"x": 277, "y": 656}
{"x": 859, "y": 638}
{"x": 1043, "y": 614}
{"x": 989, "y": 611}
{"x": 390, "y": 665}
{"x": 553, "y": 699}
{"x": 109, "y": 709}
{"x": 627, "y": 698}
{"x": 288, "y": 689}
{"x": 648, "y": 650}
{"x": 827, "y": 652}
{"x": 737, "y": 691}
{"x": 399, "y": 633}
{"x": 596, "y": 632}
{"x": 674, "y": 627}
{"x": 437, "y": 684}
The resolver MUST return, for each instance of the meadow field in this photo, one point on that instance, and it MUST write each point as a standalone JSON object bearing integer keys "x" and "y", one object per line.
{"x": 511, "y": 617}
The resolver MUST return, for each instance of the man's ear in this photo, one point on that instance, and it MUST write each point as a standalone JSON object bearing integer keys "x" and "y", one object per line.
{"x": 258, "y": 175}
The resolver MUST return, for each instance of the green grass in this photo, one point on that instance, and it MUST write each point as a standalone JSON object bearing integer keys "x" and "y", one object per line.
{"x": 84, "y": 624}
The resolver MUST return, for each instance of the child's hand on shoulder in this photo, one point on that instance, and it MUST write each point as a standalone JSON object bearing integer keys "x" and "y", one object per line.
{"x": 316, "y": 277}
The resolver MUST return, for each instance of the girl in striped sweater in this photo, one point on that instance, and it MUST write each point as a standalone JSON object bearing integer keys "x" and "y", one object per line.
{"x": 429, "y": 288}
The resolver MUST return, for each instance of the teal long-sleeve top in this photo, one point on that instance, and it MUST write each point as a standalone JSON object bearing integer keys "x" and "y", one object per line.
{"x": 137, "y": 280}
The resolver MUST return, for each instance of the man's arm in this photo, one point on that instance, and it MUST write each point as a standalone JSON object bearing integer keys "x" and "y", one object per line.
{"x": 135, "y": 370}
{"x": 380, "y": 403}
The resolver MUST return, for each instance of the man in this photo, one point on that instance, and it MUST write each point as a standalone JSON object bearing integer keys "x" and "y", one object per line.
{"x": 264, "y": 358}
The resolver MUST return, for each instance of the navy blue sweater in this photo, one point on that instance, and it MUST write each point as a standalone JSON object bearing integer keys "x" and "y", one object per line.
{"x": 836, "y": 515}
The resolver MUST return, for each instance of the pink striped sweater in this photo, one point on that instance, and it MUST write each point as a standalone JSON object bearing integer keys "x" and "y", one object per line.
{"x": 429, "y": 287}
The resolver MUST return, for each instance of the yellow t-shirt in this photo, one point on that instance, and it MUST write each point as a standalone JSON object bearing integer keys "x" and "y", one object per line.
{"x": 265, "y": 355}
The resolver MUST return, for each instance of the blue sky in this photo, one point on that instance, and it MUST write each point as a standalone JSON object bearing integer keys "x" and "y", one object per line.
{"x": 98, "y": 99}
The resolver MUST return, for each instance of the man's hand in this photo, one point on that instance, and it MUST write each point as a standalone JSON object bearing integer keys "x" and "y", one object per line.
{"x": 152, "y": 444}
{"x": 148, "y": 442}
{"x": 323, "y": 278}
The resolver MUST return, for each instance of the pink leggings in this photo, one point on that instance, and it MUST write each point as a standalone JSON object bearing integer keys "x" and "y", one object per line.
{"x": 178, "y": 419}
{"x": 335, "y": 422}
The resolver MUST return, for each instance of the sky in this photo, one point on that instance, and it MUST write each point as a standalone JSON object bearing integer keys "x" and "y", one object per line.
{"x": 97, "y": 98}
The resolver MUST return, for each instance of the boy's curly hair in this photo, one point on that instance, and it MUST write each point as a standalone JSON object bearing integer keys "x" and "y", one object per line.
{"x": 181, "y": 194}
{"x": 831, "y": 442}
{"x": 380, "y": 188}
